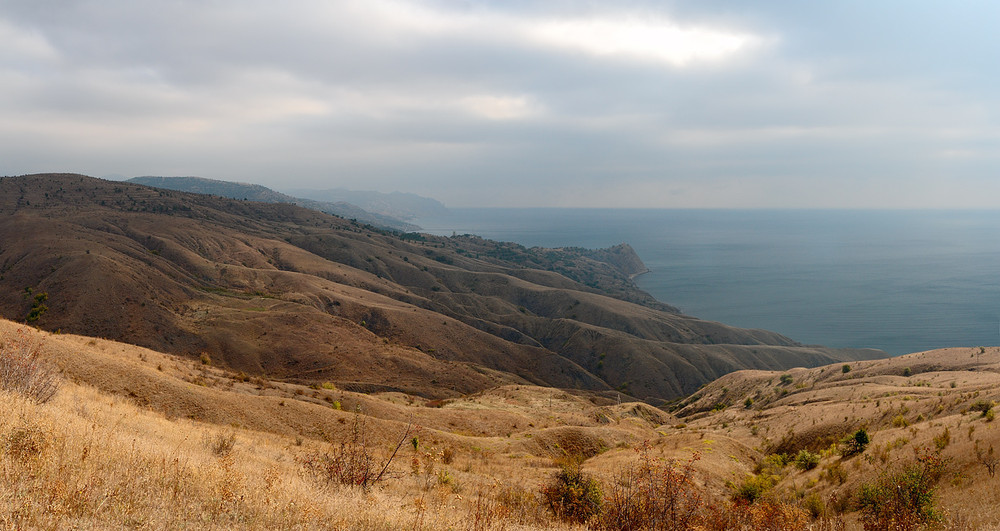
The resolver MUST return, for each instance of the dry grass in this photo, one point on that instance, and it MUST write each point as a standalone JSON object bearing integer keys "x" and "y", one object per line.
{"x": 87, "y": 460}
{"x": 24, "y": 371}
{"x": 152, "y": 449}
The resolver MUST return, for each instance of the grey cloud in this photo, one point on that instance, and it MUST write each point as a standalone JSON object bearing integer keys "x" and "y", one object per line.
{"x": 452, "y": 100}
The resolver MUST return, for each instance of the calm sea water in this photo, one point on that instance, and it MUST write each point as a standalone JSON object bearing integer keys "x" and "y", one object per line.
{"x": 900, "y": 281}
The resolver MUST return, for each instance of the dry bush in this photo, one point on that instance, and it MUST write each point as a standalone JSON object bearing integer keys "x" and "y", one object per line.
{"x": 903, "y": 499}
{"x": 352, "y": 463}
{"x": 22, "y": 369}
{"x": 987, "y": 458}
{"x": 572, "y": 495}
{"x": 498, "y": 506}
{"x": 655, "y": 494}
{"x": 27, "y": 442}
{"x": 767, "y": 515}
{"x": 222, "y": 444}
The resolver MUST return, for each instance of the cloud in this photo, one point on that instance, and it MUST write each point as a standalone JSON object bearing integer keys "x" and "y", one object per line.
{"x": 569, "y": 102}
{"x": 654, "y": 39}
{"x": 494, "y": 107}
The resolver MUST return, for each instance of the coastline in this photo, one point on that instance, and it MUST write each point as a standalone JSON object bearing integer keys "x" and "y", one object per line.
{"x": 633, "y": 276}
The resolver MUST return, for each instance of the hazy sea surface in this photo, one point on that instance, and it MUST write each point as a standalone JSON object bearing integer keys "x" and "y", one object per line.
{"x": 900, "y": 281}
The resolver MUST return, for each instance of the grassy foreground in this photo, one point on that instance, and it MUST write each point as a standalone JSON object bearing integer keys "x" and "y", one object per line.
{"x": 135, "y": 439}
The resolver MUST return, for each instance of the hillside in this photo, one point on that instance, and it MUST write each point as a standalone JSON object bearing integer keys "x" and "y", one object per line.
{"x": 294, "y": 294}
{"x": 256, "y": 192}
{"x": 138, "y": 438}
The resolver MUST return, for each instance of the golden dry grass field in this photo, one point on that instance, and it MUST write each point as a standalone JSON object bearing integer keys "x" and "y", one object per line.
{"x": 136, "y": 439}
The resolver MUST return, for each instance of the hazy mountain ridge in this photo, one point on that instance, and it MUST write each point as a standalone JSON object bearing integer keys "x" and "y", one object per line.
{"x": 404, "y": 206}
{"x": 297, "y": 294}
{"x": 256, "y": 192}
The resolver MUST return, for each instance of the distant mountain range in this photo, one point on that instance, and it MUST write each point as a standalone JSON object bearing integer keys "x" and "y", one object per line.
{"x": 376, "y": 217}
{"x": 407, "y": 207}
{"x": 286, "y": 292}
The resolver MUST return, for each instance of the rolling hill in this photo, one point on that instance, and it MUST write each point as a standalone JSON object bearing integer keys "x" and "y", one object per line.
{"x": 290, "y": 293}
{"x": 139, "y": 438}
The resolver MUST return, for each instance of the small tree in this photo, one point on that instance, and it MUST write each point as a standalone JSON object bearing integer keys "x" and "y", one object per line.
{"x": 987, "y": 458}
{"x": 856, "y": 443}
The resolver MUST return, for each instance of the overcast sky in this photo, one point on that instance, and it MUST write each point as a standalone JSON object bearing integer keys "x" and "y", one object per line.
{"x": 516, "y": 103}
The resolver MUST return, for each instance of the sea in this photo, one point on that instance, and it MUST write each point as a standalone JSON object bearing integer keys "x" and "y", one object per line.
{"x": 897, "y": 280}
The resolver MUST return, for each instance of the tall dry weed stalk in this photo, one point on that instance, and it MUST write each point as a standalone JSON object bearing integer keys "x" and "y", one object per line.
{"x": 24, "y": 371}
{"x": 353, "y": 463}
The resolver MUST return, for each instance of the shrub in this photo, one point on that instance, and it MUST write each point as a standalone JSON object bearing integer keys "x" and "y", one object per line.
{"x": 786, "y": 379}
{"x": 222, "y": 444}
{"x": 572, "y": 495}
{"x": 752, "y": 489}
{"x": 352, "y": 463}
{"x": 845, "y": 369}
{"x": 983, "y": 406}
{"x": 987, "y": 459}
{"x": 763, "y": 516}
{"x": 902, "y": 500}
{"x": 806, "y": 460}
{"x": 855, "y": 444}
{"x": 37, "y": 308}
{"x": 656, "y": 494}
{"x": 835, "y": 473}
{"x": 814, "y": 505}
{"x": 773, "y": 464}
{"x": 907, "y": 372}
{"x": 27, "y": 442}
{"x": 23, "y": 371}
{"x": 943, "y": 440}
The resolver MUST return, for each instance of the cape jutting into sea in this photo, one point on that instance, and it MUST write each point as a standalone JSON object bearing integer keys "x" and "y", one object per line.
{"x": 900, "y": 281}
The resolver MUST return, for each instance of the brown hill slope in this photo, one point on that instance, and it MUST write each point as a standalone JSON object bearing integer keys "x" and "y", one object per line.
{"x": 935, "y": 403}
{"x": 133, "y": 438}
{"x": 303, "y": 296}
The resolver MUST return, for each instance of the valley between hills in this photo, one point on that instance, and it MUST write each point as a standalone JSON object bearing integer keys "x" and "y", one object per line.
{"x": 227, "y": 364}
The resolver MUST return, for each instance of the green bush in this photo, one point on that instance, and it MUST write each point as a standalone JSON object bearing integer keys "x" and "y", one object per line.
{"x": 752, "y": 489}
{"x": 845, "y": 369}
{"x": 786, "y": 379}
{"x": 806, "y": 460}
{"x": 855, "y": 444}
{"x": 572, "y": 495}
{"x": 814, "y": 505}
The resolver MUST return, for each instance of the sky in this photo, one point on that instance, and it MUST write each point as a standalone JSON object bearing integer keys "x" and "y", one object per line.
{"x": 555, "y": 103}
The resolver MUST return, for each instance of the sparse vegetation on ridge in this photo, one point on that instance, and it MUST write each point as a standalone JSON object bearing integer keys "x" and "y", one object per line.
{"x": 309, "y": 426}
{"x": 87, "y": 458}
{"x": 188, "y": 273}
